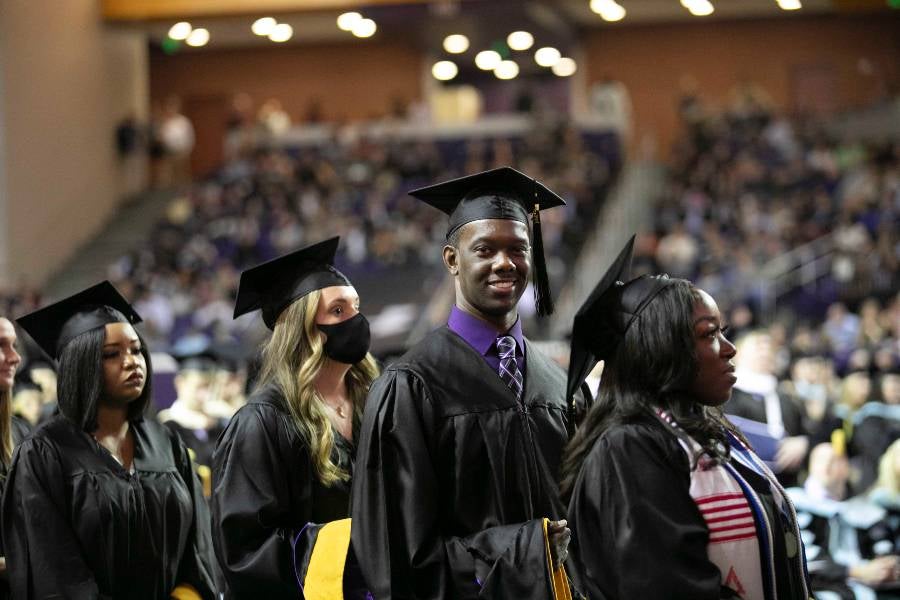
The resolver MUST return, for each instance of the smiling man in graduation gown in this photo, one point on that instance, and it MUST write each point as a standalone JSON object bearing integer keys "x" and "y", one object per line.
{"x": 462, "y": 437}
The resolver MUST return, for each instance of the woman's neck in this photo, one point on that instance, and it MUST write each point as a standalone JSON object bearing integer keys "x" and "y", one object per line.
{"x": 112, "y": 422}
{"x": 331, "y": 380}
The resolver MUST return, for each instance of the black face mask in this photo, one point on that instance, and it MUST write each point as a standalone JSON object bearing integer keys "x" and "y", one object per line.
{"x": 348, "y": 341}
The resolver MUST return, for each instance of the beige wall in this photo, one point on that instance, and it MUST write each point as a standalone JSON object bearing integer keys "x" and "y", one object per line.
{"x": 793, "y": 58}
{"x": 65, "y": 81}
{"x": 351, "y": 81}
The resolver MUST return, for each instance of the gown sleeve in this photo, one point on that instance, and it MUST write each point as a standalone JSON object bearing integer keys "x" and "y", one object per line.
{"x": 398, "y": 534}
{"x": 636, "y": 531}
{"x": 197, "y": 566}
{"x": 256, "y": 528}
{"x": 43, "y": 556}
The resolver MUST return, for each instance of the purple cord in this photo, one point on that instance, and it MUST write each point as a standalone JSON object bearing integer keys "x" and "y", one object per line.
{"x": 294, "y": 555}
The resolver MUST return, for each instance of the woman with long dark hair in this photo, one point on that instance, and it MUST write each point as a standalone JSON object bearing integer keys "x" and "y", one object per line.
{"x": 667, "y": 500}
{"x": 283, "y": 465}
{"x": 102, "y": 503}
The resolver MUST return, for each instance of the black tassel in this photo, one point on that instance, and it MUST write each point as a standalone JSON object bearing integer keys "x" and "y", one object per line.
{"x": 543, "y": 301}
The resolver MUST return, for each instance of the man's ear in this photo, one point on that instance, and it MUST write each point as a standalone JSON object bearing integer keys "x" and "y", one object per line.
{"x": 451, "y": 259}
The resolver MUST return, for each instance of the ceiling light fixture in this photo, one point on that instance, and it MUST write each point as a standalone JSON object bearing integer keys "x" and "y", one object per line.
{"x": 608, "y": 10}
{"x": 348, "y": 20}
{"x": 365, "y": 28}
{"x": 263, "y": 26}
{"x": 456, "y": 43}
{"x": 444, "y": 70}
{"x": 547, "y": 56}
{"x": 487, "y": 60}
{"x": 507, "y": 69}
{"x": 180, "y": 30}
{"x": 281, "y": 33}
{"x": 520, "y": 40}
{"x": 698, "y": 8}
{"x": 199, "y": 37}
{"x": 564, "y": 67}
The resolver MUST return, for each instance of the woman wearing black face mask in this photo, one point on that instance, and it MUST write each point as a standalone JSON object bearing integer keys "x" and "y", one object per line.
{"x": 282, "y": 467}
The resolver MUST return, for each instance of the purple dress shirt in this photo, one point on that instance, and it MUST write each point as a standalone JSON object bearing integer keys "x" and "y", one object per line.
{"x": 482, "y": 336}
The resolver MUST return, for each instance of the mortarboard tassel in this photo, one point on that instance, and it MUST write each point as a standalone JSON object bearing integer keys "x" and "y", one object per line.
{"x": 543, "y": 301}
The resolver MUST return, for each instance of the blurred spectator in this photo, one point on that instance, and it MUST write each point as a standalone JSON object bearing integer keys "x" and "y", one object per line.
{"x": 176, "y": 133}
{"x": 843, "y": 538}
{"x": 756, "y": 396}
{"x": 27, "y": 400}
{"x": 273, "y": 119}
{"x": 609, "y": 100}
{"x": 829, "y": 474}
{"x": 842, "y": 330}
{"x": 130, "y": 146}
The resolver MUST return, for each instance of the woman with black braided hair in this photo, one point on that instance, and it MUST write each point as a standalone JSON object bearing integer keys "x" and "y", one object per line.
{"x": 666, "y": 498}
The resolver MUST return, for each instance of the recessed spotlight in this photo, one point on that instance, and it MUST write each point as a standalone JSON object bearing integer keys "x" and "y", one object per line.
{"x": 520, "y": 40}
{"x": 444, "y": 70}
{"x": 487, "y": 60}
{"x": 547, "y": 56}
{"x": 263, "y": 26}
{"x": 180, "y": 30}
{"x": 507, "y": 69}
{"x": 456, "y": 43}
{"x": 365, "y": 28}
{"x": 348, "y": 20}
{"x": 564, "y": 67}
{"x": 199, "y": 37}
{"x": 281, "y": 33}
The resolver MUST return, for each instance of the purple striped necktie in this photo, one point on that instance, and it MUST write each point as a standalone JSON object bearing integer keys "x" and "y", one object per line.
{"x": 509, "y": 366}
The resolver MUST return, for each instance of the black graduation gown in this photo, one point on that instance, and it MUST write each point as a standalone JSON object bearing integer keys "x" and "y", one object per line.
{"x": 20, "y": 429}
{"x": 76, "y": 524}
{"x": 202, "y": 442}
{"x": 265, "y": 492}
{"x": 636, "y": 530}
{"x": 750, "y": 406}
{"x": 453, "y": 476}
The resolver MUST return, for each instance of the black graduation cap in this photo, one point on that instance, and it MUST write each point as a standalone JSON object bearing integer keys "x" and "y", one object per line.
{"x": 54, "y": 326}
{"x": 502, "y": 193}
{"x": 275, "y": 284}
{"x": 601, "y": 322}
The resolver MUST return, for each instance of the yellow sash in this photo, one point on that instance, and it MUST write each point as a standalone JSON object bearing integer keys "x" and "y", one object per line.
{"x": 558, "y": 580}
{"x": 325, "y": 575}
{"x": 185, "y": 591}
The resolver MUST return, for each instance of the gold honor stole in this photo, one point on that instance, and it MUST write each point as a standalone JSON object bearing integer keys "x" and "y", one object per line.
{"x": 559, "y": 582}
{"x": 325, "y": 575}
{"x": 185, "y": 591}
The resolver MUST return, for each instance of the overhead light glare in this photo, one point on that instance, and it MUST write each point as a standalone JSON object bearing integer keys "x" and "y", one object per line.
{"x": 487, "y": 60}
{"x": 698, "y": 8}
{"x": 263, "y": 26}
{"x": 507, "y": 69}
{"x": 199, "y": 37}
{"x": 564, "y": 67}
{"x": 608, "y": 10}
{"x": 456, "y": 43}
{"x": 547, "y": 56}
{"x": 365, "y": 28}
{"x": 348, "y": 20}
{"x": 789, "y": 4}
{"x": 281, "y": 33}
{"x": 180, "y": 30}
{"x": 520, "y": 40}
{"x": 444, "y": 70}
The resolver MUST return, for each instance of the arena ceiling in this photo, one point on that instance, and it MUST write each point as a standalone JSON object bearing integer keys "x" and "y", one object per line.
{"x": 427, "y": 22}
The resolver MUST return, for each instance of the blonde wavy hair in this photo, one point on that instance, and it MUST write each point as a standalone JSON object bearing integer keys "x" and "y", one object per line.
{"x": 291, "y": 361}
